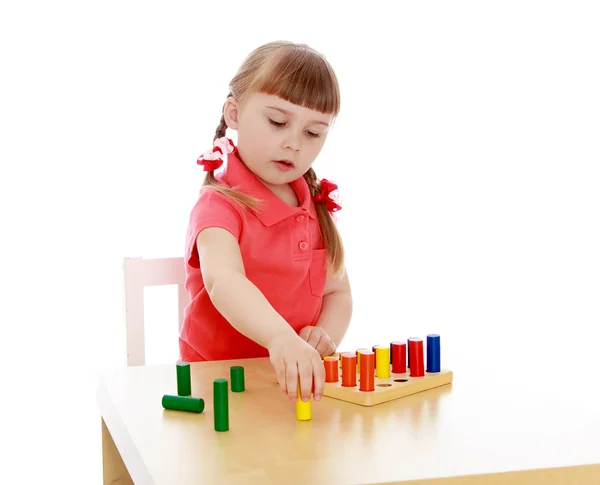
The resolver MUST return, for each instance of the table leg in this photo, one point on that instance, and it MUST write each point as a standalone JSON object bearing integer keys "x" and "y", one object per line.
{"x": 113, "y": 468}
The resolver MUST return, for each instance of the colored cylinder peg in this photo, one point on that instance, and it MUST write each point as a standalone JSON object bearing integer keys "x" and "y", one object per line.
{"x": 358, "y": 358}
{"x": 408, "y": 352}
{"x": 433, "y": 353}
{"x": 236, "y": 373}
{"x": 348, "y": 369}
{"x": 399, "y": 357}
{"x": 184, "y": 379}
{"x": 183, "y": 403}
{"x": 382, "y": 362}
{"x": 417, "y": 367}
{"x": 221, "y": 404}
{"x": 367, "y": 371}
{"x": 331, "y": 369}
{"x": 373, "y": 350}
{"x": 303, "y": 408}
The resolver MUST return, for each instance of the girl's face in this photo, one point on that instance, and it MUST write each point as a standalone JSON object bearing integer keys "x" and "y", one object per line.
{"x": 277, "y": 140}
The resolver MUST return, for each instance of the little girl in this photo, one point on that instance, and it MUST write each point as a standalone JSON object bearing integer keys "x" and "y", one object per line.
{"x": 264, "y": 260}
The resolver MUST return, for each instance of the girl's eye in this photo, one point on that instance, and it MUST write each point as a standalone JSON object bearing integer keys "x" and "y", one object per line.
{"x": 280, "y": 125}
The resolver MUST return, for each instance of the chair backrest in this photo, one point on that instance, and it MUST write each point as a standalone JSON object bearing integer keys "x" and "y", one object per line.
{"x": 140, "y": 273}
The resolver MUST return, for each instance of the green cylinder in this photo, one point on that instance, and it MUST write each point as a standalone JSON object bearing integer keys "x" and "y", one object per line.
{"x": 221, "y": 404}
{"x": 181, "y": 403}
{"x": 237, "y": 379}
{"x": 184, "y": 380}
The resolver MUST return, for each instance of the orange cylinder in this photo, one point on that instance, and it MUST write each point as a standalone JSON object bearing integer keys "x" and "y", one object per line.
{"x": 358, "y": 351}
{"x": 348, "y": 369}
{"x": 367, "y": 371}
{"x": 331, "y": 369}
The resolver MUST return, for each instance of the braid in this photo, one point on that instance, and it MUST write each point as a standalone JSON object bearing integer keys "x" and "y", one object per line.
{"x": 220, "y": 132}
{"x": 222, "y": 128}
{"x": 212, "y": 182}
{"x": 311, "y": 179}
{"x": 331, "y": 237}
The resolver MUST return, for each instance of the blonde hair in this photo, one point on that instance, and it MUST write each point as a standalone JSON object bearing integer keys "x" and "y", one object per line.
{"x": 302, "y": 76}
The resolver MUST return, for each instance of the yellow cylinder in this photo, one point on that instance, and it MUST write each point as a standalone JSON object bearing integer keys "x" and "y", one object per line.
{"x": 382, "y": 362}
{"x": 303, "y": 411}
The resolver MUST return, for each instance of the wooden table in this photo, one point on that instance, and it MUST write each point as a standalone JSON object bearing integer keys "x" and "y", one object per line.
{"x": 540, "y": 427}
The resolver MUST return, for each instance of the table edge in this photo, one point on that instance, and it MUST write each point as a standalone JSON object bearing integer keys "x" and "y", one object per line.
{"x": 130, "y": 455}
{"x": 582, "y": 474}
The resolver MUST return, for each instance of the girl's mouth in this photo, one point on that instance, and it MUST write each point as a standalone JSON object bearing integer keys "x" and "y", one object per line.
{"x": 284, "y": 165}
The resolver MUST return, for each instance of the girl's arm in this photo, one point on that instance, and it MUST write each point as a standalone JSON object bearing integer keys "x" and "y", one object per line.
{"x": 245, "y": 307}
{"x": 236, "y": 297}
{"x": 336, "y": 312}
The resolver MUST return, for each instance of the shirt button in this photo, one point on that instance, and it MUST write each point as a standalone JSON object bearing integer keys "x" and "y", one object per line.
{"x": 300, "y": 218}
{"x": 303, "y": 246}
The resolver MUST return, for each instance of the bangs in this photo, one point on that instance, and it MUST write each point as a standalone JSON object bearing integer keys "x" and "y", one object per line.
{"x": 302, "y": 77}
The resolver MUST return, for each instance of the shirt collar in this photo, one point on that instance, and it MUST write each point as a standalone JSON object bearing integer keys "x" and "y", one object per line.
{"x": 273, "y": 210}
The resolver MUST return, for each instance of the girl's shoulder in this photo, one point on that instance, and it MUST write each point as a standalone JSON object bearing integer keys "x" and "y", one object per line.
{"x": 215, "y": 205}
{"x": 212, "y": 198}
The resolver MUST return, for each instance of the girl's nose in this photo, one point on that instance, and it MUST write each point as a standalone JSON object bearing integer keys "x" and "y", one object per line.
{"x": 292, "y": 141}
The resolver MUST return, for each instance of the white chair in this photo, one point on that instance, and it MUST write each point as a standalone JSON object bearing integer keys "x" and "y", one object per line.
{"x": 140, "y": 273}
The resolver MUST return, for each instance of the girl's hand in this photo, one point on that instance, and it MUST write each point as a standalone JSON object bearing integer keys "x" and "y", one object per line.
{"x": 318, "y": 339}
{"x": 296, "y": 362}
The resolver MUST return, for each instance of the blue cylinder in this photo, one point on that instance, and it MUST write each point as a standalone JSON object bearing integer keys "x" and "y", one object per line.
{"x": 433, "y": 353}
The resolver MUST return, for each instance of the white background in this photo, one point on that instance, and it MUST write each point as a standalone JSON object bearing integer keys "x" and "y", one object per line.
{"x": 467, "y": 154}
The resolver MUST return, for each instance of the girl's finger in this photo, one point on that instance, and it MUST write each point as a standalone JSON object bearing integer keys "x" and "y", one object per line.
{"x": 323, "y": 346}
{"x": 305, "y": 374}
{"x": 315, "y": 339}
{"x": 331, "y": 348}
{"x": 291, "y": 380}
{"x": 280, "y": 372}
{"x": 318, "y": 370}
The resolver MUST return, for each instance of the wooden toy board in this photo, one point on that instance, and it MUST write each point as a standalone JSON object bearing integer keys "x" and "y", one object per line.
{"x": 387, "y": 389}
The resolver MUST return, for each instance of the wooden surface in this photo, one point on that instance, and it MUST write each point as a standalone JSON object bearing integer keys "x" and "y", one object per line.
{"x": 386, "y": 389}
{"x": 113, "y": 468}
{"x": 488, "y": 428}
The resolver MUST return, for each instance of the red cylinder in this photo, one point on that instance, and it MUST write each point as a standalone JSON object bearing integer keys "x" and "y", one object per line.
{"x": 417, "y": 365}
{"x": 367, "y": 371}
{"x": 331, "y": 369}
{"x": 348, "y": 369}
{"x": 398, "y": 357}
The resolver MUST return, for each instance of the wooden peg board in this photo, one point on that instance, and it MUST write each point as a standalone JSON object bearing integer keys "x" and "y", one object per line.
{"x": 387, "y": 389}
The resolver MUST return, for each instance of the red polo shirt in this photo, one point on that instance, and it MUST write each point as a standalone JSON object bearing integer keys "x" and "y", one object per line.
{"x": 283, "y": 256}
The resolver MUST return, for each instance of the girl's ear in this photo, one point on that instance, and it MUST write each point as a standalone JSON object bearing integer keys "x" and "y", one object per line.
{"x": 230, "y": 113}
